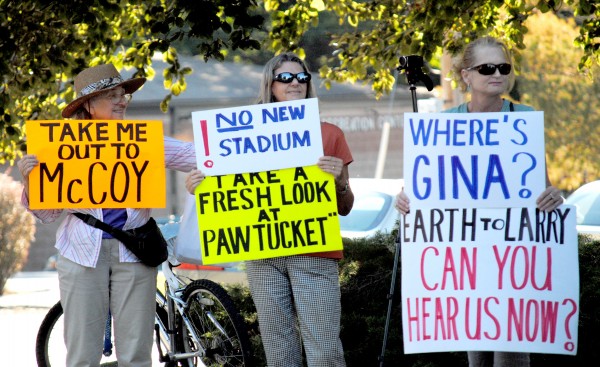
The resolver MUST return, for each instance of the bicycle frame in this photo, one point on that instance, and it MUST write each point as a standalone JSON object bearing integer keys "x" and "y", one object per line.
{"x": 174, "y": 306}
{"x": 196, "y": 323}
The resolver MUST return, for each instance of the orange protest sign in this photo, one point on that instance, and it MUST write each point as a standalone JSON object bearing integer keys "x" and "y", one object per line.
{"x": 97, "y": 164}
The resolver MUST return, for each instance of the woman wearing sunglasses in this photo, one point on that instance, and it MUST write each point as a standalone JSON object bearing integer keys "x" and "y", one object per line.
{"x": 298, "y": 297}
{"x": 484, "y": 69}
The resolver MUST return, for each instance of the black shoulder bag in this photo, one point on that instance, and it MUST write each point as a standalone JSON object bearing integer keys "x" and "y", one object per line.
{"x": 146, "y": 242}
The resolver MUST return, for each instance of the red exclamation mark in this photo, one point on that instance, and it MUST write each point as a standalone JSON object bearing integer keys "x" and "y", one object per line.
{"x": 208, "y": 163}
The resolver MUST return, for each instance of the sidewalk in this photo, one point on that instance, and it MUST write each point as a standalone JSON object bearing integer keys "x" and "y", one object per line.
{"x": 35, "y": 289}
{"x": 27, "y": 297}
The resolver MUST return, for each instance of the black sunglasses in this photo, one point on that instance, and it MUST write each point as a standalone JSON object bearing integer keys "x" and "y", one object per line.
{"x": 289, "y": 77}
{"x": 489, "y": 69}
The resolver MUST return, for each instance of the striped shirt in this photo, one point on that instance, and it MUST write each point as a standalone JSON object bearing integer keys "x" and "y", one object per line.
{"x": 80, "y": 242}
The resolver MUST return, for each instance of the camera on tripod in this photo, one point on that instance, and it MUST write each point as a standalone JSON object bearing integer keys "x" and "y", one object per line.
{"x": 410, "y": 62}
{"x": 412, "y": 66}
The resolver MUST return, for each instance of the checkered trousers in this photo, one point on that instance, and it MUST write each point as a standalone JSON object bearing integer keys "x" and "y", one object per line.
{"x": 298, "y": 301}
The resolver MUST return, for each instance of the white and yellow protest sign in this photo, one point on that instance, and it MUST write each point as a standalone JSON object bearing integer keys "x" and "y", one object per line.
{"x": 267, "y": 214}
{"x": 482, "y": 267}
{"x": 97, "y": 164}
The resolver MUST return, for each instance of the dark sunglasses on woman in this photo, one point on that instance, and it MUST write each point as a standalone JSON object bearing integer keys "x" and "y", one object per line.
{"x": 289, "y": 77}
{"x": 490, "y": 69}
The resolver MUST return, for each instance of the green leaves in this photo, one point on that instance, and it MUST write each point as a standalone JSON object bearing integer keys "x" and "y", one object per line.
{"x": 44, "y": 44}
{"x": 380, "y": 31}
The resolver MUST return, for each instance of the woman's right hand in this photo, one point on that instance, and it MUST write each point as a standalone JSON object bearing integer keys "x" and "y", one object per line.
{"x": 193, "y": 179}
{"x": 402, "y": 202}
{"x": 26, "y": 164}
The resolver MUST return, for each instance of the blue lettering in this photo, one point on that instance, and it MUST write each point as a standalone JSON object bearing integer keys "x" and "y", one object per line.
{"x": 278, "y": 137}
{"x": 442, "y": 177}
{"x": 490, "y": 132}
{"x": 420, "y": 132}
{"x": 426, "y": 180}
{"x": 495, "y": 165}
{"x": 458, "y": 130}
{"x": 272, "y": 117}
{"x": 244, "y": 120}
{"x": 221, "y": 117}
{"x": 439, "y": 131}
{"x": 516, "y": 127}
{"x": 248, "y": 146}
{"x": 297, "y": 113}
{"x": 264, "y": 144}
{"x": 460, "y": 176}
{"x": 282, "y": 114}
{"x": 457, "y": 168}
{"x": 453, "y": 132}
{"x": 303, "y": 140}
{"x": 261, "y": 144}
{"x": 223, "y": 145}
{"x": 476, "y": 129}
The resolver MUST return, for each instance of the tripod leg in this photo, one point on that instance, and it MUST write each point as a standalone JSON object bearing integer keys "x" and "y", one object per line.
{"x": 390, "y": 298}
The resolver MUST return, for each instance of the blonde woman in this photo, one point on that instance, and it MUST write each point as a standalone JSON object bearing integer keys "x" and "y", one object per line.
{"x": 485, "y": 69}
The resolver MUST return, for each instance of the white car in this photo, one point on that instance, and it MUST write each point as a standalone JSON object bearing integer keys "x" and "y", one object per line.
{"x": 373, "y": 209}
{"x": 587, "y": 201}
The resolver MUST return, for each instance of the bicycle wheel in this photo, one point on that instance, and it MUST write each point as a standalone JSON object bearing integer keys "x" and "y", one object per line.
{"x": 50, "y": 350}
{"x": 217, "y": 323}
{"x": 49, "y": 345}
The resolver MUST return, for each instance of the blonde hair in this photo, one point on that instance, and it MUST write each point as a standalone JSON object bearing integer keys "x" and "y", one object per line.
{"x": 467, "y": 60}
{"x": 265, "y": 94}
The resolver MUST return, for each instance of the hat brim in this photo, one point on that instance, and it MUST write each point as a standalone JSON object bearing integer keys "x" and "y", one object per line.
{"x": 130, "y": 86}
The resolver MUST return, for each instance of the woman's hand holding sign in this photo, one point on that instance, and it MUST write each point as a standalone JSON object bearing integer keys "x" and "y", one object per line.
{"x": 336, "y": 167}
{"x": 331, "y": 165}
{"x": 193, "y": 179}
{"x": 550, "y": 199}
{"x": 26, "y": 165}
{"x": 402, "y": 202}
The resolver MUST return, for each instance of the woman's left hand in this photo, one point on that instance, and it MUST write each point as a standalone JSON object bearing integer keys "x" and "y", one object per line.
{"x": 193, "y": 179}
{"x": 550, "y": 199}
{"x": 331, "y": 165}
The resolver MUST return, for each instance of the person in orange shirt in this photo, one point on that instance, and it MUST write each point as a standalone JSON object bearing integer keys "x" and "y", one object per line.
{"x": 297, "y": 297}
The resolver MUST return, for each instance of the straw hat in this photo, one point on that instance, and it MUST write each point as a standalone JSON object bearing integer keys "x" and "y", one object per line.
{"x": 96, "y": 80}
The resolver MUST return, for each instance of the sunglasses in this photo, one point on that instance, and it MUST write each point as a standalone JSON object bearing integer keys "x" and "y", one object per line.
{"x": 490, "y": 69}
{"x": 289, "y": 77}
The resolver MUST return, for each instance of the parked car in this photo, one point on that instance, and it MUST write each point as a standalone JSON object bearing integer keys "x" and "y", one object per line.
{"x": 587, "y": 201}
{"x": 373, "y": 209}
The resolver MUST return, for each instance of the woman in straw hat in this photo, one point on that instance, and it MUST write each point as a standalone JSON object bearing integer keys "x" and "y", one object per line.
{"x": 96, "y": 272}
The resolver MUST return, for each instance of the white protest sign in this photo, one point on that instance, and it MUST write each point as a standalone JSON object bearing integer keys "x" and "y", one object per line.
{"x": 258, "y": 137}
{"x": 482, "y": 268}
{"x": 474, "y": 159}
{"x": 490, "y": 279}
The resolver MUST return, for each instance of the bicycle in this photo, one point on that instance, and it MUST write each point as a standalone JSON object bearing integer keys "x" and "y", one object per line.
{"x": 196, "y": 325}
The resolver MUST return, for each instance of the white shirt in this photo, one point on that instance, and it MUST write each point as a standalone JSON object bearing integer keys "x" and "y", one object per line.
{"x": 80, "y": 242}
